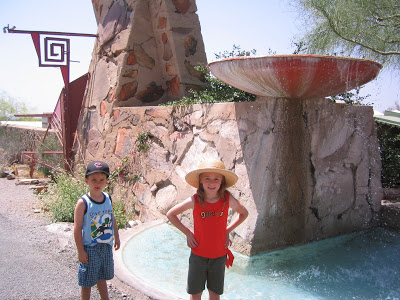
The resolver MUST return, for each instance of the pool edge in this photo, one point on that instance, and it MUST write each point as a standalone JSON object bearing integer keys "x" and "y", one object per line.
{"x": 126, "y": 276}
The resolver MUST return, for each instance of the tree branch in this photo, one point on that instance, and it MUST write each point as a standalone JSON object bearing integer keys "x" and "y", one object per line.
{"x": 336, "y": 31}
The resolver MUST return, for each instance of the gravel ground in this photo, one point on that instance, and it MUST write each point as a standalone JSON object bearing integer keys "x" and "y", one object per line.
{"x": 39, "y": 259}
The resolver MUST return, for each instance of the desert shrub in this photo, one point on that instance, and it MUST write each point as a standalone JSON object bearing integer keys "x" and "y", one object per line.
{"x": 389, "y": 142}
{"x": 120, "y": 213}
{"x": 66, "y": 189}
{"x": 12, "y": 142}
{"x": 61, "y": 196}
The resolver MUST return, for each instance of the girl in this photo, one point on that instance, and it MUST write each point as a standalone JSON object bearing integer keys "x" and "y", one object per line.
{"x": 210, "y": 240}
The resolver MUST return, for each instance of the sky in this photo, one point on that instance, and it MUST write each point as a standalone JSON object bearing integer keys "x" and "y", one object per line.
{"x": 269, "y": 25}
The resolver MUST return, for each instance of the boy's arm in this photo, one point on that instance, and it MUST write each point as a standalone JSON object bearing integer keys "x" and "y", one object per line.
{"x": 172, "y": 216}
{"x": 78, "y": 223}
{"x": 117, "y": 242}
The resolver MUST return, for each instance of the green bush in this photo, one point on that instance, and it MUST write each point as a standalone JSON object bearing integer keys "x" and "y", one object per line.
{"x": 120, "y": 214}
{"x": 389, "y": 141}
{"x": 66, "y": 189}
{"x": 61, "y": 196}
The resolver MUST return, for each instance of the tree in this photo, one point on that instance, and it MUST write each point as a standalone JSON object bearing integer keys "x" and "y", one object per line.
{"x": 396, "y": 106}
{"x": 352, "y": 97}
{"x": 10, "y": 106}
{"x": 368, "y": 29}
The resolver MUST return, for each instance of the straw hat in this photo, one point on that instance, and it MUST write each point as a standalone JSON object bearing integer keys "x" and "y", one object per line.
{"x": 215, "y": 166}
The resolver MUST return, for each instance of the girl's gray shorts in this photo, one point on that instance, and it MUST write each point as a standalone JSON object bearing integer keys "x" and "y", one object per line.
{"x": 202, "y": 270}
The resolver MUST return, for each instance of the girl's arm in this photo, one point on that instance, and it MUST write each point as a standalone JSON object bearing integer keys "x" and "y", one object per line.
{"x": 172, "y": 216}
{"x": 242, "y": 215}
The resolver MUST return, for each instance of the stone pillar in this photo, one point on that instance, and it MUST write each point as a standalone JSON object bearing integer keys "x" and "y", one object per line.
{"x": 276, "y": 156}
{"x": 145, "y": 54}
{"x": 311, "y": 169}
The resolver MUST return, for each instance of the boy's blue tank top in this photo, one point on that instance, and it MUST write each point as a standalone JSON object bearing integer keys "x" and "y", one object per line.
{"x": 98, "y": 221}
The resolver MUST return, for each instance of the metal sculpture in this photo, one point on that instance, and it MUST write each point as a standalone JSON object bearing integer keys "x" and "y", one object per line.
{"x": 54, "y": 51}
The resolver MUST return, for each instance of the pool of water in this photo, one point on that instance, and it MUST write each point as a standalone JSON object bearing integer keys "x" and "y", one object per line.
{"x": 363, "y": 265}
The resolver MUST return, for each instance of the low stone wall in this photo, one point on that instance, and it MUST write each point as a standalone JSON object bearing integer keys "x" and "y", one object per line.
{"x": 15, "y": 138}
{"x": 390, "y": 212}
{"x": 390, "y": 215}
{"x": 308, "y": 170}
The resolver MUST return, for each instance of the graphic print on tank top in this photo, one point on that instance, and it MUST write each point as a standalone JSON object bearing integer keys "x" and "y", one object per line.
{"x": 101, "y": 227}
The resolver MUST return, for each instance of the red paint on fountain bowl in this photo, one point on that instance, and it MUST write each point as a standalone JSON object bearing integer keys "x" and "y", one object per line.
{"x": 295, "y": 76}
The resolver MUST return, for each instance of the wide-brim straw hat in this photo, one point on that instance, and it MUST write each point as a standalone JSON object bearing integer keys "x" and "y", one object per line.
{"x": 215, "y": 166}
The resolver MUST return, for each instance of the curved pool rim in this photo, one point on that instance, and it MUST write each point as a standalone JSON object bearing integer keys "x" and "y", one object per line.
{"x": 126, "y": 276}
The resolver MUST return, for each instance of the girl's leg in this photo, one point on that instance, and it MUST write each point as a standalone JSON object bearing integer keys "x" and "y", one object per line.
{"x": 103, "y": 289}
{"x": 85, "y": 293}
{"x": 212, "y": 295}
{"x": 196, "y": 296}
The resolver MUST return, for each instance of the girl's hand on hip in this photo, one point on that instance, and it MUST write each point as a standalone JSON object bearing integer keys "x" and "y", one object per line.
{"x": 228, "y": 241}
{"x": 191, "y": 241}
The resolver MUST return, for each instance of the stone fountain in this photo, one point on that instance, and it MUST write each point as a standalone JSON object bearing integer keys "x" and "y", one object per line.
{"x": 297, "y": 196}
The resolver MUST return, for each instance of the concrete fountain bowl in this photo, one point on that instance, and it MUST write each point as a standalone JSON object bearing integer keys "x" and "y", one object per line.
{"x": 295, "y": 76}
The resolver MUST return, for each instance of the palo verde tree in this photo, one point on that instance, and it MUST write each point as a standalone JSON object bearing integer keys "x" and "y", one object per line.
{"x": 364, "y": 28}
{"x": 10, "y": 106}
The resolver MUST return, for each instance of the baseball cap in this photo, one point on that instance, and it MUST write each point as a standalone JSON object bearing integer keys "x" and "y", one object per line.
{"x": 97, "y": 167}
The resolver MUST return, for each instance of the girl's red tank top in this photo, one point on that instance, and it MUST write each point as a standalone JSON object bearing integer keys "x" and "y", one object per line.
{"x": 210, "y": 223}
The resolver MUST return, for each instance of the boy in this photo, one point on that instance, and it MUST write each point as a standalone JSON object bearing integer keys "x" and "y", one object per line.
{"x": 94, "y": 230}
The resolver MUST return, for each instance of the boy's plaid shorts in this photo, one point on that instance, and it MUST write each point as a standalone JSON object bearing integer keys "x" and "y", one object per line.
{"x": 100, "y": 267}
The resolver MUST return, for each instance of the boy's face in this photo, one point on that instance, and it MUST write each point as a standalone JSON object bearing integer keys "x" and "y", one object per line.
{"x": 96, "y": 182}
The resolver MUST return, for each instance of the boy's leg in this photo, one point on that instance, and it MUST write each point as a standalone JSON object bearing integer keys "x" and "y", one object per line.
{"x": 85, "y": 293}
{"x": 103, "y": 289}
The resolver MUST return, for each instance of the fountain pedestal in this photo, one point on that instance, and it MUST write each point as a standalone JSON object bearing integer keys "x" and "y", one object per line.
{"x": 293, "y": 169}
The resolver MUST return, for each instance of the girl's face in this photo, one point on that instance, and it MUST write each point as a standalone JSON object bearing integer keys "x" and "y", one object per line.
{"x": 211, "y": 181}
{"x": 96, "y": 182}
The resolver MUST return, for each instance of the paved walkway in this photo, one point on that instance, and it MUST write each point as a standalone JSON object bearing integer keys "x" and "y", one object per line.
{"x": 37, "y": 263}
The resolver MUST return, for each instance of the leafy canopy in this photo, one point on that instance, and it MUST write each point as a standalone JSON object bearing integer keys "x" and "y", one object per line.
{"x": 368, "y": 29}
{"x": 10, "y": 106}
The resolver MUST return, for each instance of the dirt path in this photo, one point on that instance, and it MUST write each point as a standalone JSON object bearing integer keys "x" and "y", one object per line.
{"x": 38, "y": 259}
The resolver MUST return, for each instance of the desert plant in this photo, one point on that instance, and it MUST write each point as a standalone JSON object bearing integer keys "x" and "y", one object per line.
{"x": 143, "y": 141}
{"x": 61, "y": 196}
{"x": 389, "y": 140}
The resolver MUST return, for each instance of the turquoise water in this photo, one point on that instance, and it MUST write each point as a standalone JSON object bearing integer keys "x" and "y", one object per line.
{"x": 364, "y": 265}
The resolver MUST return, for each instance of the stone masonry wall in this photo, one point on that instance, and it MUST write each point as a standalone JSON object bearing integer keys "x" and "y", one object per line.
{"x": 146, "y": 53}
{"x": 308, "y": 170}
